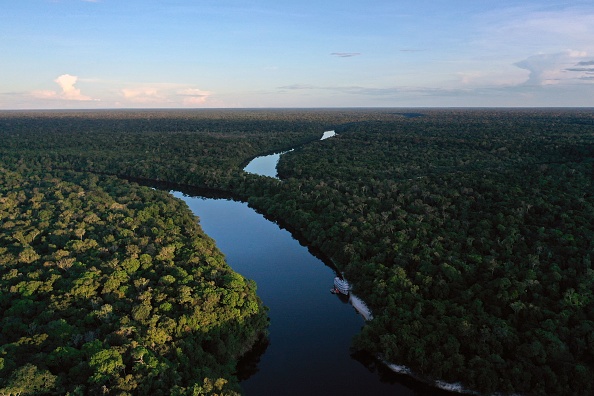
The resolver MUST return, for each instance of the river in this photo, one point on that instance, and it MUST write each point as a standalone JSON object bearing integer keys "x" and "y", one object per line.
{"x": 265, "y": 165}
{"x": 310, "y": 328}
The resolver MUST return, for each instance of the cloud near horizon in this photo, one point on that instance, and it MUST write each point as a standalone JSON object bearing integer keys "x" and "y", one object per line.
{"x": 165, "y": 95}
{"x": 549, "y": 69}
{"x": 128, "y": 94}
{"x": 68, "y": 90}
{"x": 375, "y": 91}
{"x": 142, "y": 95}
{"x": 193, "y": 96}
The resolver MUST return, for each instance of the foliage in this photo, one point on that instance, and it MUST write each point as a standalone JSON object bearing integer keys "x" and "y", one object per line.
{"x": 109, "y": 287}
{"x": 468, "y": 232}
{"x": 470, "y": 236}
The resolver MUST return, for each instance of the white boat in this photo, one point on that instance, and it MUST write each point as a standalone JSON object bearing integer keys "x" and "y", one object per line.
{"x": 341, "y": 285}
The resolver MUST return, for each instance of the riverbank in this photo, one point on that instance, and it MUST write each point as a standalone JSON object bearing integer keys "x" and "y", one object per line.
{"x": 310, "y": 329}
{"x": 357, "y": 303}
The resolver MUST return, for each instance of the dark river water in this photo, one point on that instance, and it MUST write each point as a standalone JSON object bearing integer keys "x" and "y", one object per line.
{"x": 310, "y": 328}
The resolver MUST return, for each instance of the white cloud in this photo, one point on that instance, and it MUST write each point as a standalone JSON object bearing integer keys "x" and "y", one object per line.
{"x": 551, "y": 69}
{"x": 45, "y": 94}
{"x": 165, "y": 95}
{"x": 193, "y": 96}
{"x": 143, "y": 95}
{"x": 504, "y": 77}
{"x": 68, "y": 90}
{"x": 154, "y": 95}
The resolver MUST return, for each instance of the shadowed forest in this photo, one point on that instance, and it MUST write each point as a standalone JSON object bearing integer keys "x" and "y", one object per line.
{"x": 469, "y": 233}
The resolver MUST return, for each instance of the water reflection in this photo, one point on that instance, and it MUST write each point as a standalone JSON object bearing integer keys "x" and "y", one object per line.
{"x": 248, "y": 364}
{"x": 310, "y": 332}
{"x": 266, "y": 164}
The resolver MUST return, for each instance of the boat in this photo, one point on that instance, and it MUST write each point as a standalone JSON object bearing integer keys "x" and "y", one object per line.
{"x": 341, "y": 286}
{"x": 343, "y": 290}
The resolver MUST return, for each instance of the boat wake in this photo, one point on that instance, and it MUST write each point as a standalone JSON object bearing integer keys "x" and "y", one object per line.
{"x": 341, "y": 286}
{"x": 447, "y": 386}
{"x": 361, "y": 307}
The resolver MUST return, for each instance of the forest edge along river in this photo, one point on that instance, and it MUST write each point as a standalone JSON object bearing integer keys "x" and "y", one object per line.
{"x": 469, "y": 309}
{"x": 308, "y": 348}
{"x": 266, "y": 165}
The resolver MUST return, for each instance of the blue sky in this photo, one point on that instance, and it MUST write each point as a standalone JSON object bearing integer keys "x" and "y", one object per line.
{"x": 329, "y": 53}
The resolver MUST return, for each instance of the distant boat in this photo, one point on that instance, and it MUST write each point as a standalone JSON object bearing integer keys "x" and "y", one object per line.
{"x": 343, "y": 290}
{"x": 341, "y": 286}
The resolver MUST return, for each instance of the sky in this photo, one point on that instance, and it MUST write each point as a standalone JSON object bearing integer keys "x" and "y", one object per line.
{"x": 91, "y": 54}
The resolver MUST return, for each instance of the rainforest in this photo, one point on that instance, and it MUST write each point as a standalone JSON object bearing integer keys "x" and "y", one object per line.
{"x": 468, "y": 232}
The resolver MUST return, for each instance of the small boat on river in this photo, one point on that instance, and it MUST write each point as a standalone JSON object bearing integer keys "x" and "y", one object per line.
{"x": 341, "y": 286}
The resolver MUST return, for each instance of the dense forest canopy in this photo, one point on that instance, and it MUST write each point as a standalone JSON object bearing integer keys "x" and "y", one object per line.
{"x": 469, "y": 233}
{"x": 470, "y": 236}
{"x": 109, "y": 287}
